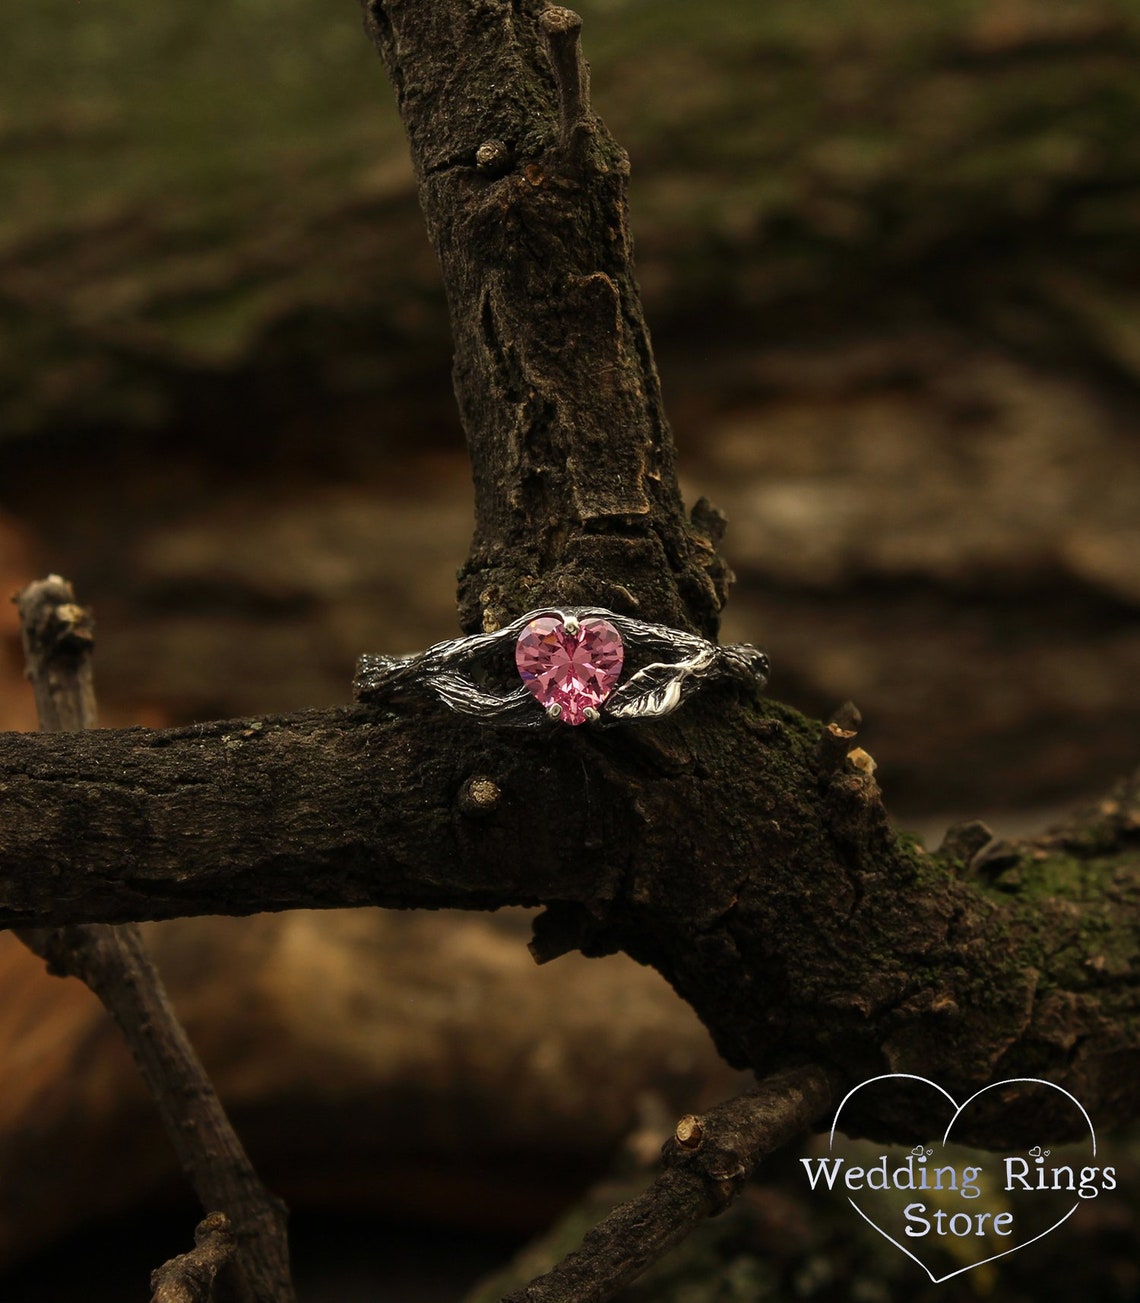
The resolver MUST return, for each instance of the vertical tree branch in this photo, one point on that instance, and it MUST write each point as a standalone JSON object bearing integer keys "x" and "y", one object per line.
{"x": 113, "y": 961}
{"x": 524, "y": 194}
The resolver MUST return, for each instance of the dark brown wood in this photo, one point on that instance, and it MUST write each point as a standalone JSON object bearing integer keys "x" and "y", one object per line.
{"x": 190, "y": 1278}
{"x": 115, "y": 964}
{"x": 703, "y": 1173}
{"x": 247, "y": 990}
{"x": 783, "y": 908}
{"x": 561, "y": 30}
{"x": 576, "y": 497}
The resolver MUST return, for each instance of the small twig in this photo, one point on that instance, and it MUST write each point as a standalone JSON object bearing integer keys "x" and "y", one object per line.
{"x": 837, "y": 738}
{"x": 562, "y": 30}
{"x": 190, "y": 1277}
{"x": 115, "y": 964}
{"x": 58, "y": 637}
{"x": 706, "y": 1163}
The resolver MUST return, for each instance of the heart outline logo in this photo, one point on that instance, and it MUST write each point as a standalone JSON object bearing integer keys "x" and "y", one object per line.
{"x": 958, "y": 1110}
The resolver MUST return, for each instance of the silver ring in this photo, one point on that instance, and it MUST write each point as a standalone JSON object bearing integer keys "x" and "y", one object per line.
{"x": 570, "y": 661}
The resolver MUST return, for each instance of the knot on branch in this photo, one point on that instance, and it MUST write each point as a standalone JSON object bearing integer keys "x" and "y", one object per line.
{"x": 54, "y": 623}
{"x": 493, "y": 157}
{"x": 721, "y": 1148}
{"x": 190, "y": 1277}
{"x": 836, "y": 741}
{"x": 564, "y": 926}
{"x": 561, "y": 29}
{"x": 714, "y": 1159}
{"x": 856, "y": 814}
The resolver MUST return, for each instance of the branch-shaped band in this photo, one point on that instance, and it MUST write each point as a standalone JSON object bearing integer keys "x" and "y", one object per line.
{"x": 585, "y": 648}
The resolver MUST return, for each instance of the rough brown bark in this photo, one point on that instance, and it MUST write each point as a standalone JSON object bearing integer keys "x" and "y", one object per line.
{"x": 58, "y": 636}
{"x": 924, "y": 445}
{"x": 524, "y": 193}
{"x": 190, "y": 1277}
{"x": 770, "y": 892}
{"x": 815, "y": 872}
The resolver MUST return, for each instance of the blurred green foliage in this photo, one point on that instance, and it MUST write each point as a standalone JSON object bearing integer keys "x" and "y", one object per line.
{"x": 210, "y": 189}
{"x": 111, "y": 103}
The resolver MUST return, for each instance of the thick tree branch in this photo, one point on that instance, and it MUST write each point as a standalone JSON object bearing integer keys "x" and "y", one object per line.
{"x": 706, "y": 1163}
{"x": 713, "y": 845}
{"x": 524, "y": 192}
{"x": 115, "y": 964}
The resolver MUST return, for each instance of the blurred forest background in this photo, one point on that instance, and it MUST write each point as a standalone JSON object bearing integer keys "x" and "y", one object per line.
{"x": 889, "y": 255}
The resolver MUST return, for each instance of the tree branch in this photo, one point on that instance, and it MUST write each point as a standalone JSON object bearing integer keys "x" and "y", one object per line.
{"x": 748, "y": 859}
{"x": 190, "y": 1277}
{"x": 115, "y": 964}
{"x": 706, "y": 1163}
{"x": 713, "y": 845}
{"x": 524, "y": 193}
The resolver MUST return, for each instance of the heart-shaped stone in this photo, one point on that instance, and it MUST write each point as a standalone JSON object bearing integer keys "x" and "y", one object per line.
{"x": 569, "y": 664}
{"x": 936, "y": 1227}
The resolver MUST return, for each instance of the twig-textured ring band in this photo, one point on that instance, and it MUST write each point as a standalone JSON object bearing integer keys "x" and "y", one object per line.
{"x": 570, "y": 661}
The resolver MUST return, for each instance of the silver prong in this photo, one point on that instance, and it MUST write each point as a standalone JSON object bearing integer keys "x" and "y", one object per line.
{"x": 554, "y": 710}
{"x": 571, "y": 625}
{"x": 590, "y": 715}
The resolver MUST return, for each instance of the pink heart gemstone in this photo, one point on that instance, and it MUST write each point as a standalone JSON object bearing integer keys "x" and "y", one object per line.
{"x": 576, "y": 670}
